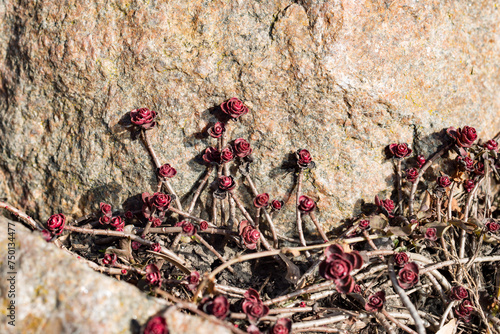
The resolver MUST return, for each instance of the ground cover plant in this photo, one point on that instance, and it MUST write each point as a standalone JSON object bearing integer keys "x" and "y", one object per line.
{"x": 423, "y": 261}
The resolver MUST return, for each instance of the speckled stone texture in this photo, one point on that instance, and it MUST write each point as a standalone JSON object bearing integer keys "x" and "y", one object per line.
{"x": 55, "y": 293}
{"x": 340, "y": 78}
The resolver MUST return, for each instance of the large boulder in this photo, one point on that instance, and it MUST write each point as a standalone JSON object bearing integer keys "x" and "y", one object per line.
{"x": 340, "y": 78}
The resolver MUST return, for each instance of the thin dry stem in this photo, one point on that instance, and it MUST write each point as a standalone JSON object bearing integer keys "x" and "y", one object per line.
{"x": 309, "y": 289}
{"x": 422, "y": 171}
{"x": 27, "y": 219}
{"x": 398, "y": 323}
{"x": 459, "y": 261}
{"x": 382, "y": 320}
{"x": 318, "y": 226}
{"x": 150, "y": 148}
{"x": 133, "y": 237}
{"x": 241, "y": 207}
{"x": 461, "y": 248}
{"x": 450, "y": 200}
{"x": 399, "y": 185}
{"x": 266, "y": 214}
{"x": 404, "y": 298}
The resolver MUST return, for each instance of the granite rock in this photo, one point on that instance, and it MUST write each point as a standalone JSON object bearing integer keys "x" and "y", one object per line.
{"x": 55, "y": 293}
{"x": 341, "y": 78}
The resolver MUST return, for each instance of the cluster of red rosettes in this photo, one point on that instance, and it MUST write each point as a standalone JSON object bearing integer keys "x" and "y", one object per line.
{"x": 107, "y": 217}
{"x": 262, "y": 201}
{"x": 338, "y": 265}
{"x": 464, "y": 139}
{"x": 249, "y": 234}
{"x": 232, "y": 108}
{"x": 252, "y": 306}
{"x": 238, "y": 148}
{"x": 155, "y": 206}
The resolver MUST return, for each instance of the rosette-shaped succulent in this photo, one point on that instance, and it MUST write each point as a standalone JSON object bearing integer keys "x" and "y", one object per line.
{"x": 458, "y": 293}
{"x": 338, "y": 265}
{"x": 282, "y": 326}
{"x": 400, "y": 150}
{"x": 110, "y": 259}
{"x": 412, "y": 175}
{"x": 212, "y": 155}
{"x": 226, "y": 183}
{"x": 143, "y": 118}
{"x": 491, "y": 145}
{"x": 249, "y": 234}
{"x": 217, "y": 130}
{"x": 443, "y": 181}
{"x": 375, "y": 302}
{"x": 217, "y": 306}
{"x": 464, "y": 137}
{"x": 464, "y": 310}
{"x": 167, "y": 171}
{"x": 153, "y": 275}
{"x": 156, "y": 325}
{"x": 306, "y": 204}
{"x": 408, "y": 275}
{"x": 277, "y": 205}
{"x": 431, "y": 234}
{"x": 234, "y": 108}
{"x": 400, "y": 259}
{"x": 304, "y": 158}
{"x": 241, "y": 148}
{"x": 55, "y": 224}
{"x": 261, "y": 200}
{"x": 252, "y": 305}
